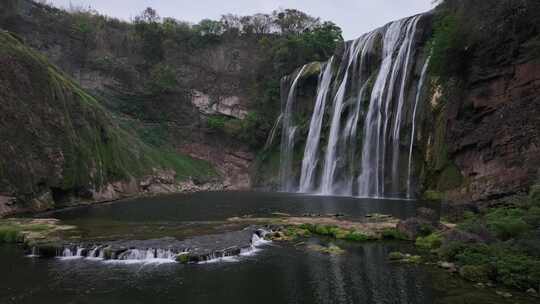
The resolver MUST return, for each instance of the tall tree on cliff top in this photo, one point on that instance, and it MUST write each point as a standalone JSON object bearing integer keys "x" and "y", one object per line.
{"x": 149, "y": 30}
{"x": 292, "y": 21}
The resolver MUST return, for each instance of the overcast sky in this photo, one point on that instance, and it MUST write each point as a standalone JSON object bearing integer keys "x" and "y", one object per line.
{"x": 355, "y": 17}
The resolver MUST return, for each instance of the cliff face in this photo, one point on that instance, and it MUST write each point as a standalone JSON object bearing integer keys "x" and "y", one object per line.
{"x": 494, "y": 133}
{"x": 488, "y": 121}
{"x": 168, "y": 102}
{"x": 61, "y": 147}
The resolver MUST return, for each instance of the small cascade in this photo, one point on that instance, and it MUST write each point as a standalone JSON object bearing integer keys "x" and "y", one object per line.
{"x": 273, "y": 132}
{"x": 98, "y": 253}
{"x": 364, "y": 103}
{"x": 413, "y": 129}
{"x": 288, "y": 131}
{"x": 34, "y": 252}
{"x": 72, "y": 253}
{"x": 257, "y": 240}
{"x": 148, "y": 255}
{"x": 195, "y": 251}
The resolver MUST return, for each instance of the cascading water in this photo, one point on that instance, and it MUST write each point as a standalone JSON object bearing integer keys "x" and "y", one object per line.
{"x": 370, "y": 89}
{"x": 349, "y": 138}
{"x": 288, "y": 132}
{"x": 398, "y": 37}
{"x": 309, "y": 163}
{"x": 406, "y": 45}
{"x": 330, "y": 161}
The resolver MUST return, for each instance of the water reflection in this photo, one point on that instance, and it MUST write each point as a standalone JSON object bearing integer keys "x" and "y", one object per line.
{"x": 279, "y": 274}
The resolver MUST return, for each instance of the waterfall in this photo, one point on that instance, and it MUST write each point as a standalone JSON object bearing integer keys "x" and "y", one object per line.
{"x": 371, "y": 180}
{"x": 398, "y": 38}
{"x": 407, "y": 44}
{"x": 351, "y": 126}
{"x": 361, "y": 108}
{"x": 288, "y": 132}
{"x": 309, "y": 163}
{"x": 330, "y": 161}
{"x": 417, "y": 99}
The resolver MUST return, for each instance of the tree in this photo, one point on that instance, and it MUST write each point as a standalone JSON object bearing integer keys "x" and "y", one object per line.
{"x": 148, "y": 16}
{"x": 149, "y": 30}
{"x": 324, "y": 39}
{"x": 291, "y": 21}
{"x": 209, "y": 27}
{"x": 231, "y": 22}
{"x": 163, "y": 79}
{"x": 262, "y": 24}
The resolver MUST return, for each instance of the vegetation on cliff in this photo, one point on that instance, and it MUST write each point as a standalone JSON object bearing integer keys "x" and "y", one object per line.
{"x": 58, "y": 139}
{"x": 148, "y": 68}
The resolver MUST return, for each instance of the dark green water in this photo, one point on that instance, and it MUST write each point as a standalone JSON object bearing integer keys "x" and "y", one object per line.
{"x": 280, "y": 273}
{"x": 186, "y": 215}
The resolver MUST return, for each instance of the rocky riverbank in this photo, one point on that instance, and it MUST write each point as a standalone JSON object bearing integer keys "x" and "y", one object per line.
{"x": 161, "y": 182}
{"x": 495, "y": 245}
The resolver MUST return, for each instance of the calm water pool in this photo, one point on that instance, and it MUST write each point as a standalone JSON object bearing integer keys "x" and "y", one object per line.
{"x": 280, "y": 273}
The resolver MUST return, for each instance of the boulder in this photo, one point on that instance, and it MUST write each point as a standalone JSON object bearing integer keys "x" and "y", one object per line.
{"x": 414, "y": 227}
{"x": 460, "y": 236}
{"x": 427, "y": 214}
{"x": 456, "y": 211}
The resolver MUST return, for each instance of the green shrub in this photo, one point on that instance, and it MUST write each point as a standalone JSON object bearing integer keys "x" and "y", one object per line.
{"x": 324, "y": 230}
{"x": 480, "y": 273}
{"x": 182, "y": 258}
{"x": 10, "y": 234}
{"x": 448, "y": 252}
{"x": 296, "y": 232}
{"x": 507, "y": 223}
{"x": 532, "y": 217}
{"x": 396, "y": 256}
{"x": 448, "y": 56}
{"x": 217, "y": 122}
{"x": 432, "y": 195}
{"x": 534, "y": 195}
{"x": 336, "y": 232}
{"x": 426, "y": 229}
{"x": 394, "y": 234}
{"x": 413, "y": 259}
{"x": 479, "y": 254}
{"x": 432, "y": 241}
{"x": 503, "y": 264}
{"x": 517, "y": 271}
{"x": 162, "y": 79}
{"x": 357, "y": 236}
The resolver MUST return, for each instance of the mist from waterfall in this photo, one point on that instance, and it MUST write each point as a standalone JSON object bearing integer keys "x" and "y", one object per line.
{"x": 363, "y": 121}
